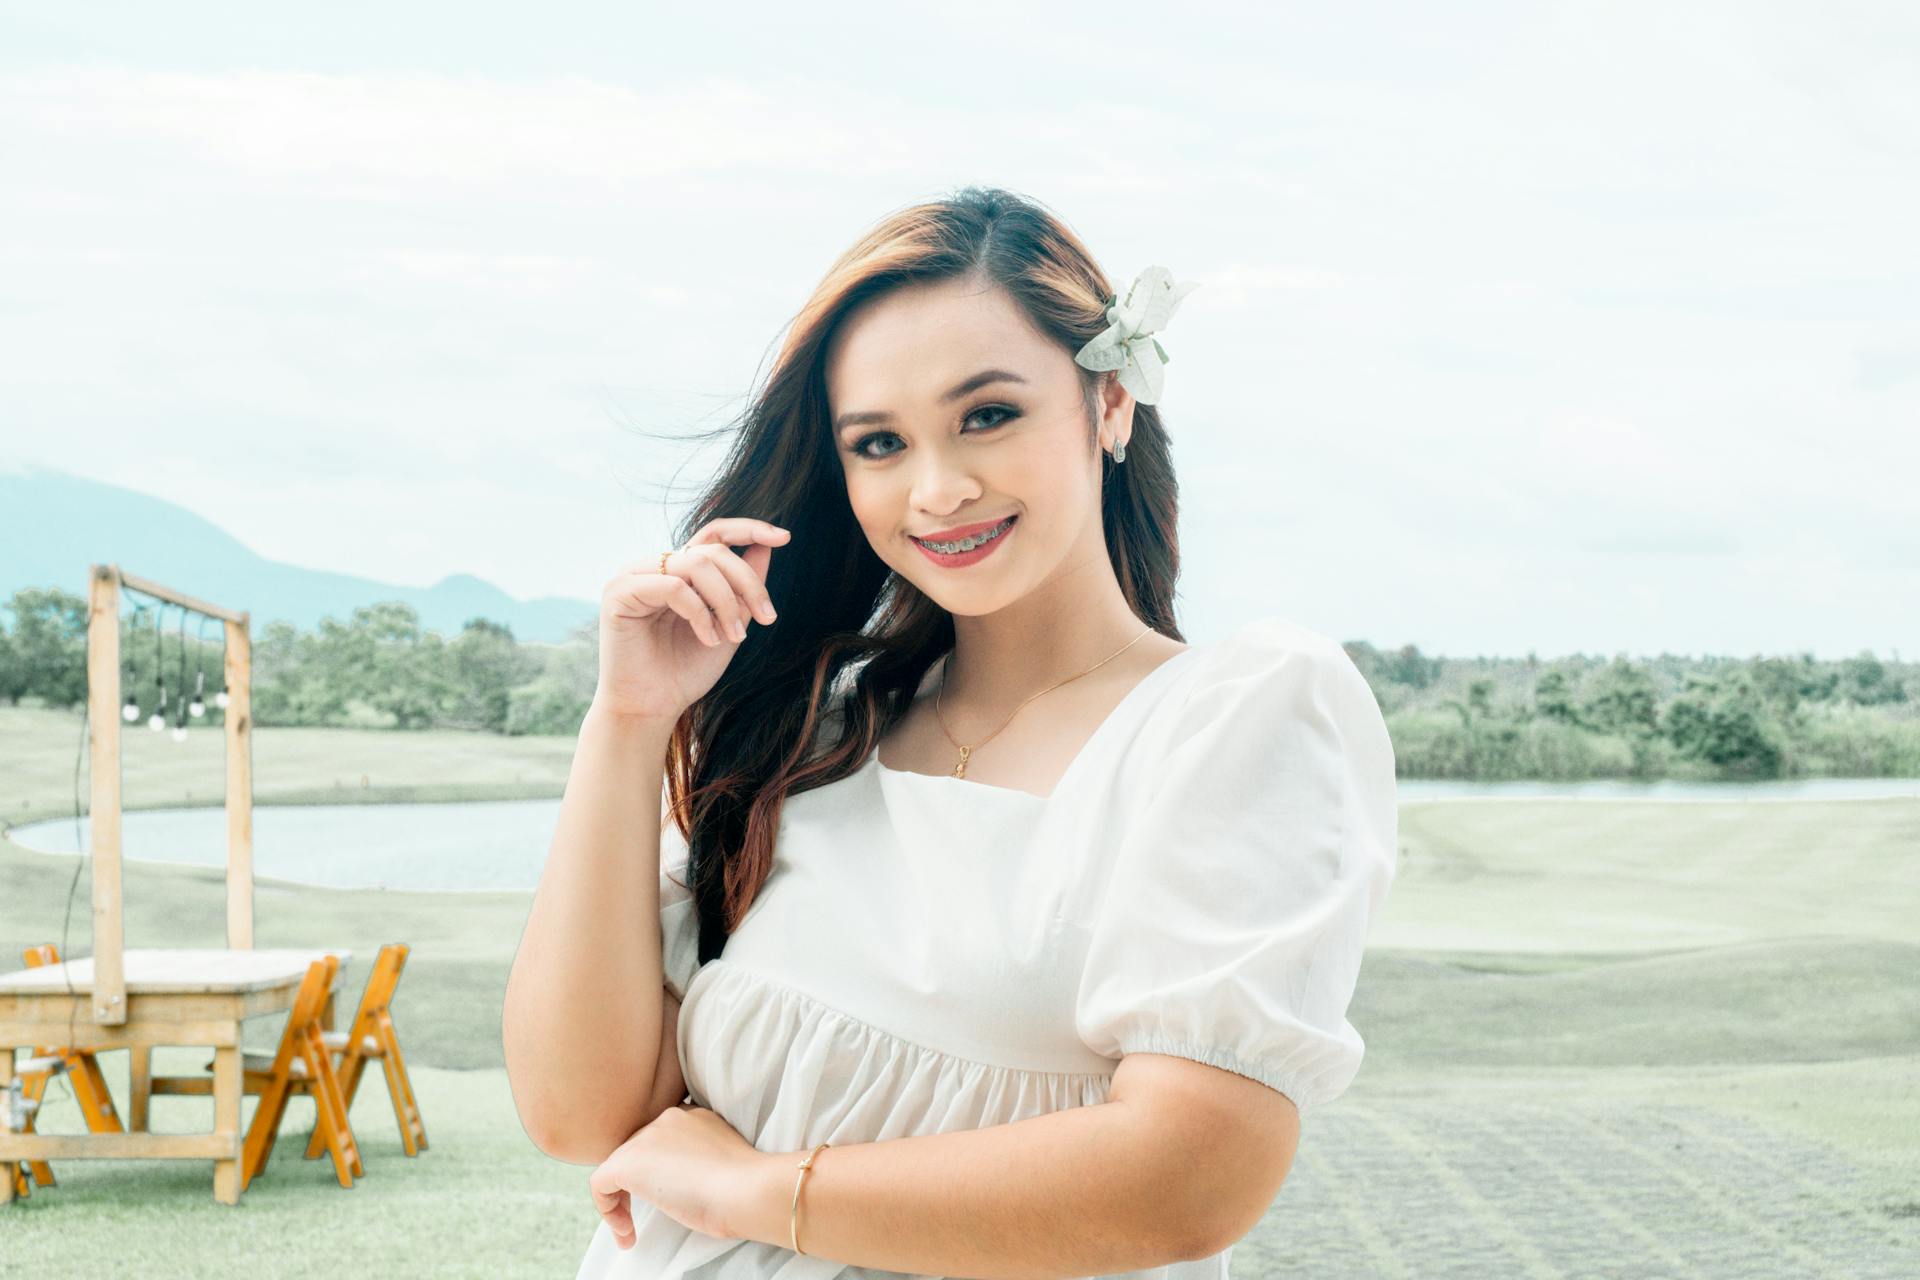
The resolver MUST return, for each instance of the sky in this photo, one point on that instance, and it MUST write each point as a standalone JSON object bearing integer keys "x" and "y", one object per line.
{"x": 1522, "y": 327}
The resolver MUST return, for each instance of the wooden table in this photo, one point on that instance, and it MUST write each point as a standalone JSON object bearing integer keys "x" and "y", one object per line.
{"x": 173, "y": 998}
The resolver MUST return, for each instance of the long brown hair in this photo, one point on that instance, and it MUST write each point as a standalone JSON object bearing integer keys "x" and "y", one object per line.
{"x": 753, "y": 739}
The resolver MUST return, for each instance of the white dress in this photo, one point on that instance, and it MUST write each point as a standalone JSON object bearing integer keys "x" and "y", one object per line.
{"x": 933, "y": 954}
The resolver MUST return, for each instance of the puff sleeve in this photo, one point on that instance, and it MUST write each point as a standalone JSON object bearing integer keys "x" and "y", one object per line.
{"x": 1244, "y": 881}
{"x": 679, "y": 920}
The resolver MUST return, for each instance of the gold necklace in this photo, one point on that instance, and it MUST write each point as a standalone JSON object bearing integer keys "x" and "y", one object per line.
{"x": 966, "y": 752}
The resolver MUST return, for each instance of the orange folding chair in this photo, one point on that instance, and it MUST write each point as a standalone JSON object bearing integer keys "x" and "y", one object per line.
{"x": 371, "y": 1035}
{"x": 36, "y": 1072}
{"x": 300, "y": 1065}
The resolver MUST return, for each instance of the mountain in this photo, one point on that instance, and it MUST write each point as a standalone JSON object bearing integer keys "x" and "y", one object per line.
{"x": 54, "y": 525}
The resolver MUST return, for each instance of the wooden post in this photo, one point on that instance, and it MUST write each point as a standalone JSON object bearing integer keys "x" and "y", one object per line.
{"x": 9, "y": 1169}
{"x": 239, "y": 677}
{"x": 103, "y": 718}
{"x": 229, "y": 1082}
{"x": 103, "y": 713}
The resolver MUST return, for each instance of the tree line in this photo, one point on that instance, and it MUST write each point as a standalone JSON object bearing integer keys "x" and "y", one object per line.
{"x": 377, "y": 669}
{"x": 1673, "y": 716}
{"x": 1476, "y": 718}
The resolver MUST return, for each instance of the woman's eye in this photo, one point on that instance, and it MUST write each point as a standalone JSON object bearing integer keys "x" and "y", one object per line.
{"x": 1006, "y": 415}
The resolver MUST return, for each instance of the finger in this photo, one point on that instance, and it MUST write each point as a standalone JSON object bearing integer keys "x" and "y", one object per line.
{"x": 604, "y": 1183}
{"x": 769, "y": 535}
{"x": 617, "y": 1210}
{"x": 618, "y": 1217}
{"x": 704, "y": 574}
{"x": 748, "y": 588}
{"x": 687, "y": 602}
{"x": 653, "y": 591}
{"x": 740, "y": 531}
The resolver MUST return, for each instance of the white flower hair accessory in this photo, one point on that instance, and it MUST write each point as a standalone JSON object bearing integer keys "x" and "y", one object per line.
{"x": 1128, "y": 344}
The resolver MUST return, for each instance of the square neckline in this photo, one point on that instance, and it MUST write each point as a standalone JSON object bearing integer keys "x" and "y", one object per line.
{"x": 1086, "y": 748}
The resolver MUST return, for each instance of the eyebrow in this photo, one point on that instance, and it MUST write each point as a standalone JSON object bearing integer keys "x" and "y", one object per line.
{"x": 978, "y": 380}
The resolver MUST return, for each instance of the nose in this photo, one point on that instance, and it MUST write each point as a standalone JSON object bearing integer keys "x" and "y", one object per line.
{"x": 939, "y": 486}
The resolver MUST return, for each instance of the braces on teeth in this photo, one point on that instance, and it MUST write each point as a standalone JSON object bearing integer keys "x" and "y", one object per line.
{"x": 966, "y": 544}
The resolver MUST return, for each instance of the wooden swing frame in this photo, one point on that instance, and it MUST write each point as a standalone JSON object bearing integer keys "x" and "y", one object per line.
{"x": 103, "y": 715}
{"x": 180, "y": 997}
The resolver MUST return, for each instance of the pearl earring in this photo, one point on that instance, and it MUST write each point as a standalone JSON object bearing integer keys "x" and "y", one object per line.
{"x": 1119, "y": 452}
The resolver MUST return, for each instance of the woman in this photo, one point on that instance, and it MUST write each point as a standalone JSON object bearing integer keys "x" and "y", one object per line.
{"x": 996, "y": 930}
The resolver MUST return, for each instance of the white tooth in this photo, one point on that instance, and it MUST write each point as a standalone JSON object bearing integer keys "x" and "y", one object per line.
{"x": 965, "y": 544}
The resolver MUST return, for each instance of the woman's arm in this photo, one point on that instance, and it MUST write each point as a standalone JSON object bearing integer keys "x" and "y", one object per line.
{"x": 1110, "y": 1187}
{"x": 585, "y": 1002}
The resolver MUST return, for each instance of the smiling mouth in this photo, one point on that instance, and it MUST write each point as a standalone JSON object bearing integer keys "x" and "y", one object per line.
{"x": 960, "y": 545}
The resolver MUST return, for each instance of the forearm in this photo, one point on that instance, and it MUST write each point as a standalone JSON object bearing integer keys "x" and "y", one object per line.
{"x": 1084, "y": 1191}
{"x": 580, "y": 1065}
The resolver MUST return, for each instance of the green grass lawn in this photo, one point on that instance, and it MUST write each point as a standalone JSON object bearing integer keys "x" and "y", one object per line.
{"x": 1603, "y": 1038}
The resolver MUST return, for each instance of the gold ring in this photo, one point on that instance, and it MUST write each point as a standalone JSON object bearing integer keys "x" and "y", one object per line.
{"x": 663, "y": 559}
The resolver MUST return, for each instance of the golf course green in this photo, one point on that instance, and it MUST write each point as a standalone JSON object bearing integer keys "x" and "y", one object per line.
{"x": 1604, "y": 1038}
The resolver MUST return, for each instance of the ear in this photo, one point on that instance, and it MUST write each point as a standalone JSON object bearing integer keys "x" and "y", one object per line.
{"x": 1114, "y": 404}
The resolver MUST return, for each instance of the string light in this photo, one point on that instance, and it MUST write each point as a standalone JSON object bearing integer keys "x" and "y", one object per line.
{"x": 131, "y": 711}
{"x": 183, "y": 707}
{"x": 180, "y": 716}
{"x": 197, "y": 708}
{"x": 220, "y": 699}
{"x": 158, "y": 720}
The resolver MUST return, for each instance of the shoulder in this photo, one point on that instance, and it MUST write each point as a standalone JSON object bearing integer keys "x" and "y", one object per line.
{"x": 1272, "y": 640}
{"x": 1275, "y": 695}
{"x": 1278, "y": 726}
{"x": 1268, "y": 663}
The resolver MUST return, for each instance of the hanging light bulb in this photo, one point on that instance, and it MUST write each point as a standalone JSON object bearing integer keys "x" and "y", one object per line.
{"x": 198, "y": 706}
{"x": 158, "y": 720}
{"x": 131, "y": 711}
{"x": 220, "y": 698}
{"x": 180, "y": 715}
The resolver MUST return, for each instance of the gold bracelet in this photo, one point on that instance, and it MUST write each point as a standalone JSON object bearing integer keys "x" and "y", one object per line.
{"x": 806, "y": 1166}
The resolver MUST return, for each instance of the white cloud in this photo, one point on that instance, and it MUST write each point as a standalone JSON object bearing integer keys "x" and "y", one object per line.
{"x": 1511, "y": 320}
{"x": 392, "y": 132}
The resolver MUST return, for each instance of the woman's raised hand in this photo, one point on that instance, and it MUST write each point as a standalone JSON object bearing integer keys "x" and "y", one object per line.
{"x": 666, "y": 638}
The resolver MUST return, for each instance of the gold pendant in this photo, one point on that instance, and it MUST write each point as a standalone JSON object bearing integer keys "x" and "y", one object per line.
{"x": 960, "y": 770}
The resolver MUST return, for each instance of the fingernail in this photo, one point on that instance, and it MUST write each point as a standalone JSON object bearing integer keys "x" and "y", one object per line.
{"x": 767, "y": 613}
{"x": 739, "y": 630}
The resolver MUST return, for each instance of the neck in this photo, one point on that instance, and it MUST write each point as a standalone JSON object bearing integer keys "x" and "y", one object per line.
{"x": 1066, "y": 625}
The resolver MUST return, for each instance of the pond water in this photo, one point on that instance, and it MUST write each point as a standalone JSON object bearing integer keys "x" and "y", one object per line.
{"x": 441, "y": 848}
{"x": 1608, "y": 789}
{"x": 502, "y": 844}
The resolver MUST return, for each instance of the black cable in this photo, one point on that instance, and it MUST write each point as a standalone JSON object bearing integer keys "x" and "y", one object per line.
{"x": 126, "y": 660}
{"x": 200, "y": 664}
{"x": 160, "y": 662}
{"x": 180, "y": 715}
{"x": 66, "y": 928}
{"x": 85, "y": 847}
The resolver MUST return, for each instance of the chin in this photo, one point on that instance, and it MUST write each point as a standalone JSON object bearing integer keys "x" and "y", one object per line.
{"x": 962, "y": 601}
